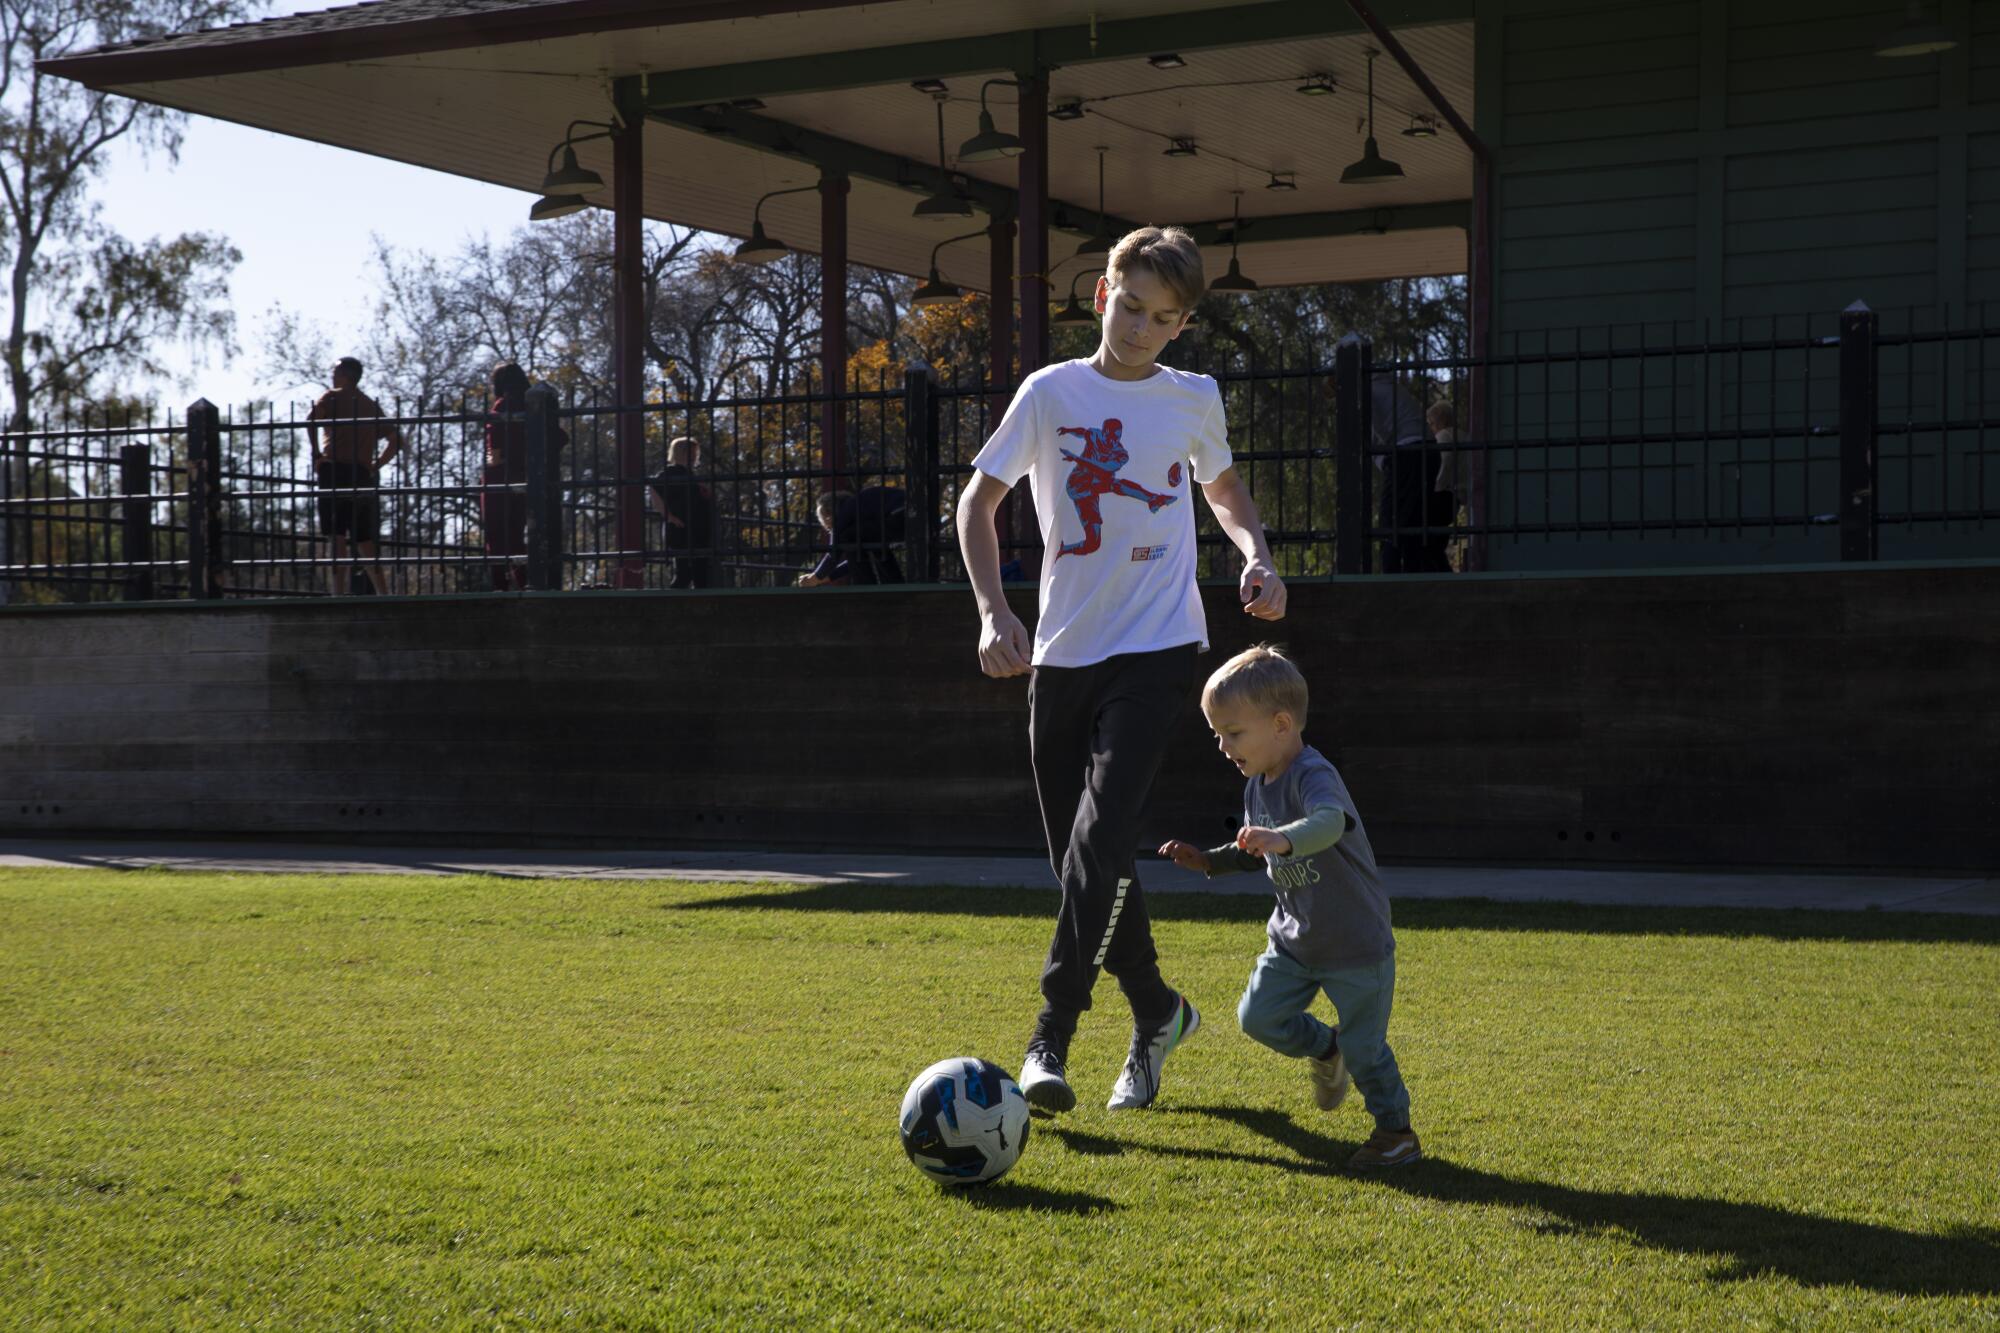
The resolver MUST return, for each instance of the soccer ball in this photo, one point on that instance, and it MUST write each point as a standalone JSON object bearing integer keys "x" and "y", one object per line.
{"x": 964, "y": 1122}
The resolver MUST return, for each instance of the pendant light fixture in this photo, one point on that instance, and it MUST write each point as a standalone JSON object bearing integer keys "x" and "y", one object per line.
{"x": 563, "y": 187}
{"x": 1074, "y": 315}
{"x": 936, "y": 291}
{"x": 762, "y": 249}
{"x": 1917, "y": 36}
{"x": 1100, "y": 241}
{"x": 990, "y": 143}
{"x": 1233, "y": 280}
{"x": 945, "y": 202}
{"x": 1373, "y": 168}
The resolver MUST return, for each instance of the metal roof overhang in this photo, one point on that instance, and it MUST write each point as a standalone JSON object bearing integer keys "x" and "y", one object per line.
{"x": 486, "y": 93}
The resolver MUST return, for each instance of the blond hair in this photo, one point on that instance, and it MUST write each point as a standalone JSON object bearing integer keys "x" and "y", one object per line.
{"x": 1169, "y": 254}
{"x": 1262, "y": 677}
{"x": 682, "y": 451}
{"x": 1441, "y": 416}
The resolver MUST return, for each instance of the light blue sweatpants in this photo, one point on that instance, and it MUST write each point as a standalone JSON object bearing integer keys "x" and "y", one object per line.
{"x": 1274, "y": 1011}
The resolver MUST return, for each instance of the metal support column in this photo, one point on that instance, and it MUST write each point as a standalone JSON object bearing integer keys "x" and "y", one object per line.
{"x": 629, "y": 323}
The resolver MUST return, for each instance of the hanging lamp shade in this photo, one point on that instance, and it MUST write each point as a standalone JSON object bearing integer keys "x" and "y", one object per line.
{"x": 1072, "y": 315}
{"x": 1372, "y": 169}
{"x": 990, "y": 143}
{"x": 759, "y": 249}
{"x": 555, "y": 206}
{"x": 1917, "y": 37}
{"x": 571, "y": 177}
{"x": 1233, "y": 280}
{"x": 936, "y": 291}
{"x": 946, "y": 205}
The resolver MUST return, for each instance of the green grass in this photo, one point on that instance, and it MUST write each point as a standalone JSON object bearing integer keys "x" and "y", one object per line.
{"x": 298, "y": 1101}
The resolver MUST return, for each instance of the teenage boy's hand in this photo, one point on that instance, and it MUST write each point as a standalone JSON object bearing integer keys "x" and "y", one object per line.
{"x": 1185, "y": 855}
{"x": 1262, "y": 591}
{"x": 1004, "y": 646}
{"x": 1263, "y": 841}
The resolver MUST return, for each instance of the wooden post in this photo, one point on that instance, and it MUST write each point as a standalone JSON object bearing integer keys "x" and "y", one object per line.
{"x": 204, "y": 453}
{"x": 920, "y": 465}
{"x": 1000, "y": 357}
{"x": 135, "y": 483}
{"x": 833, "y": 188}
{"x": 1351, "y": 467}
{"x": 1857, "y": 433}
{"x": 629, "y": 324}
{"x": 545, "y": 571}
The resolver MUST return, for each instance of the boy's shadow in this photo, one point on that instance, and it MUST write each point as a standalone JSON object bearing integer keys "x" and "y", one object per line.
{"x": 1747, "y": 1239}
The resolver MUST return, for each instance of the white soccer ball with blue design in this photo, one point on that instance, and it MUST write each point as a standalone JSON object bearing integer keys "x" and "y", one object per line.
{"x": 964, "y": 1122}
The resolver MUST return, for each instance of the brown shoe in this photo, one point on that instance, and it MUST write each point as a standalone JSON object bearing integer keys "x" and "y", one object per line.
{"x": 1385, "y": 1148}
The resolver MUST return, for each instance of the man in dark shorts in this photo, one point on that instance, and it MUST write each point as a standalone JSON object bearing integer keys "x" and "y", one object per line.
{"x": 348, "y": 470}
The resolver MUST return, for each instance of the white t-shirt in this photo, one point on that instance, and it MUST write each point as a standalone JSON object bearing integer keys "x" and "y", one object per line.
{"x": 1111, "y": 465}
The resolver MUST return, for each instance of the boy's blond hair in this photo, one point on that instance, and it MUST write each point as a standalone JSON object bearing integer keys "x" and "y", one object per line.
{"x": 1261, "y": 677}
{"x": 1441, "y": 416}
{"x": 1169, "y": 254}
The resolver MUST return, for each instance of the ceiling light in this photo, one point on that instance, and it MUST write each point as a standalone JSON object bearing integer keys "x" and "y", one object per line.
{"x": 1917, "y": 37}
{"x": 947, "y": 202}
{"x": 1099, "y": 243}
{"x": 571, "y": 178}
{"x": 556, "y": 206}
{"x": 1168, "y": 61}
{"x": 933, "y": 86}
{"x": 760, "y": 248}
{"x": 1073, "y": 315}
{"x": 1180, "y": 148}
{"x": 1317, "y": 85}
{"x": 747, "y": 104}
{"x": 1233, "y": 280}
{"x": 1282, "y": 180}
{"x": 1070, "y": 110}
{"x": 990, "y": 144}
{"x": 1422, "y": 127}
{"x": 936, "y": 291}
{"x": 1373, "y": 168}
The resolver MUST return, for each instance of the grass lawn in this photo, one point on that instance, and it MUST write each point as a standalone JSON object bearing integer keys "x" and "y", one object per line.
{"x": 306, "y": 1102}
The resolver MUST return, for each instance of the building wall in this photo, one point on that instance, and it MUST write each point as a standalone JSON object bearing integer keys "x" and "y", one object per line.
{"x": 1675, "y": 173}
{"x": 1835, "y": 718}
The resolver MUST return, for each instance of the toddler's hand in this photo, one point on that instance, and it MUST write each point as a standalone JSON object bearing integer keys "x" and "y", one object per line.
{"x": 1263, "y": 841}
{"x": 1185, "y": 855}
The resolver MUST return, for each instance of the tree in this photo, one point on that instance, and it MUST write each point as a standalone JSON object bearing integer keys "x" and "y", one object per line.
{"x": 85, "y": 303}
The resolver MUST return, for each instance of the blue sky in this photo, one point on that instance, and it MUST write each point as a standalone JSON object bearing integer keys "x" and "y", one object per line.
{"x": 296, "y": 254}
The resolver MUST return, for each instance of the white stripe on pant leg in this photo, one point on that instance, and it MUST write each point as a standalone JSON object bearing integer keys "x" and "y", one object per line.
{"x": 1117, "y": 906}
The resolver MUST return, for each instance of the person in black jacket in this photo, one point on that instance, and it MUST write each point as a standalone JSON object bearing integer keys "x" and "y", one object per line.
{"x": 689, "y": 510}
{"x": 861, "y": 527}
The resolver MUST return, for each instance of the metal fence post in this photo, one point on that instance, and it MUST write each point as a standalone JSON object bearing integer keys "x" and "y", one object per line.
{"x": 544, "y": 491}
{"x": 1857, "y": 432}
{"x": 1352, "y": 357}
{"x": 920, "y": 465}
{"x": 135, "y": 483}
{"x": 204, "y": 452}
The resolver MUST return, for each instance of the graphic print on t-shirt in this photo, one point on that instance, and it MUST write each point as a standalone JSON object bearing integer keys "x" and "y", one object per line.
{"x": 1174, "y": 475}
{"x": 1095, "y": 475}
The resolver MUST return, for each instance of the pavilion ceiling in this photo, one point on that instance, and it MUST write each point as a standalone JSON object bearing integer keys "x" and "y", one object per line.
{"x": 492, "y": 112}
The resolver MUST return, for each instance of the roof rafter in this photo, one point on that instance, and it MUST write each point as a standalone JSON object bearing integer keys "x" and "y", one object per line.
{"x": 1031, "y": 48}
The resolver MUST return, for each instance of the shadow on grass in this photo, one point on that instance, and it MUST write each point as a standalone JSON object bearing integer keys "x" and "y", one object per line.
{"x": 1747, "y": 1239}
{"x": 1007, "y": 1196}
{"x": 1411, "y": 913}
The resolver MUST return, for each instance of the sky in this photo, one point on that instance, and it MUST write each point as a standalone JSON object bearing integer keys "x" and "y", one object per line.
{"x": 310, "y": 260}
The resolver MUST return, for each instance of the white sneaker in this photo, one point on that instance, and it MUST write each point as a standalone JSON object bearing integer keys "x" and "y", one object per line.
{"x": 1329, "y": 1079}
{"x": 1043, "y": 1083}
{"x": 1140, "y": 1082}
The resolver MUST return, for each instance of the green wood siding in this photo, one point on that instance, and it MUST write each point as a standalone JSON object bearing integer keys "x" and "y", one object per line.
{"x": 1683, "y": 171}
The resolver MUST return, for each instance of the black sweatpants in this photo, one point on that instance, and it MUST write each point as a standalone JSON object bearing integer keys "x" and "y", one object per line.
{"x": 1098, "y": 734}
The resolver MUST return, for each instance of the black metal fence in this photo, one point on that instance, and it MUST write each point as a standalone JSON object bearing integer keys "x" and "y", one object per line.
{"x": 1851, "y": 443}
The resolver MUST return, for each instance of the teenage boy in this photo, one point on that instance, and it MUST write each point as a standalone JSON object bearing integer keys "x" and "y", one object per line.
{"x": 1111, "y": 446}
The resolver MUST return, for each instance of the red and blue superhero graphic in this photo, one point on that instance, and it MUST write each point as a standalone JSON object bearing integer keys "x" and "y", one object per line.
{"x": 1095, "y": 475}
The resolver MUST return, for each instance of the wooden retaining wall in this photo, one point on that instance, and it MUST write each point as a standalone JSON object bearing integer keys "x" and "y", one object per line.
{"x": 1812, "y": 718}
